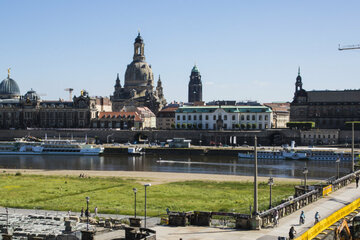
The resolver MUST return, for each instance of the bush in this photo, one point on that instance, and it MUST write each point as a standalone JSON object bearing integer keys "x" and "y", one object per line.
{"x": 300, "y": 125}
{"x": 254, "y": 125}
{"x": 183, "y": 125}
{"x": 172, "y": 125}
{"x": 242, "y": 126}
{"x": 200, "y": 126}
{"x": 178, "y": 125}
{"x": 248, "y": 126}
{"x": 18, "y": 174}
{"x": 237, "y": 125}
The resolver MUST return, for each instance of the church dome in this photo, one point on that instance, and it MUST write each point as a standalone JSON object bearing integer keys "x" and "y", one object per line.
{"x": 9, "y": 87}
{"x": 138, "y": 74}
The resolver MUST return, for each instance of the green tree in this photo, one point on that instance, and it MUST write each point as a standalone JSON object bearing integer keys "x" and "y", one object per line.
{"x": 199, "y": 126}
{"x": 237, "y": 126}
{"x": 178, "y": 125}
{"x": 173, "y": 125}
{"x": 242, "y": 126}
{"x": 254, "y": 125}
{"x": 248, "y": 126}
{"x": 183, "y": 125}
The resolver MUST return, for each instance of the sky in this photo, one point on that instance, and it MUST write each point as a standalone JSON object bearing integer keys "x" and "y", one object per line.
{"x": 245, "y": 50}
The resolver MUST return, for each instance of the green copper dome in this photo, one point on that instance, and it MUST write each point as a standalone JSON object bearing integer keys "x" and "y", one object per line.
{"x": 195, "y": 69}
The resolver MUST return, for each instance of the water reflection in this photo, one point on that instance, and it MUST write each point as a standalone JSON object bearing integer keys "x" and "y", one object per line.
{"x": 177, "y": 163}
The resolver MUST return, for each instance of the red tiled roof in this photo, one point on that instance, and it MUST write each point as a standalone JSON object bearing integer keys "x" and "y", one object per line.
{"x": 169, "y": 109}
{"x": 134, "y": 115}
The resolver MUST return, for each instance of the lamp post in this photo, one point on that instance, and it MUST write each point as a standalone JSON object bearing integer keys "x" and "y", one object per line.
{"x": 255, "y": 178}
{"x": 135, "y": 190}
{"x": 146, "y": 185}
{"x": 270, "y": 182}
{"x": 352, "y": 148}
{"x": 305, "y": 172}
{"x": 338, "y": 166}
{"x": 87, "y": 215}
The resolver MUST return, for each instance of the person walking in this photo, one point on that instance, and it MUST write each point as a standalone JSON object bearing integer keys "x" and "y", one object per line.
{"x": 292, "y": 233}
{"x": 302, "y": 217}
{"x": 317, "y": 217}
{"x": 95, "y": 211}
{"x": 82, "y": 212}
{"x": 357, "y": 181}
{"x": 276, "y": 217}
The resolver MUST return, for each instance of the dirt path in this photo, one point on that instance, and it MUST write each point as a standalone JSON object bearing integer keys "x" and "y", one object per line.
{"x": 153, "y": 177}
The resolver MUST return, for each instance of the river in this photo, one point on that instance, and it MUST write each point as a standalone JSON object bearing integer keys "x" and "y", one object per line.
{"x": 177, "y": 163}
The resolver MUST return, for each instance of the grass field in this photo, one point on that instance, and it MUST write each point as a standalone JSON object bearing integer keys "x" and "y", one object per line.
{"x": 115, "y": 195}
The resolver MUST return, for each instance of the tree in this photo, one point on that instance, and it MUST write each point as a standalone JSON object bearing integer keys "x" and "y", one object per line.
{"x": 194, "y": 126}
{"x": 242, "y": 126}
{"x": 183, "y": 125}
{"x": 254, "y": 125}
{"x": 300, "y": 125}
{"x": 248, "y": 126}
{"x": 178, "y": 125}
{"x": 189, "y": 125}
{"x": 199, "y": 126}
{"x": 172, "y": 125}
{"x": 237, "y": 125}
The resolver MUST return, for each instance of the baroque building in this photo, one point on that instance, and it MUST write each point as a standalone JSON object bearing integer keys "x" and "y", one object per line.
{"x": 327, "y": 108}
{"x": 29, "y": 111}
{"x": 195, "y": 86}
{"x": 138, "y": 89}
{"x": 223, "y": 117}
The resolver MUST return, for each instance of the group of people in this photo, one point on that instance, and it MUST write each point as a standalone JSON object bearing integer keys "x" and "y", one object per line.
{"x": 86, "y": 212}
{"x": 292, "y": 231}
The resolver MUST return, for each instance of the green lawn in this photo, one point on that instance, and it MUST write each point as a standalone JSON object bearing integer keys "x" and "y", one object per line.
{"x": 115, "y": 195}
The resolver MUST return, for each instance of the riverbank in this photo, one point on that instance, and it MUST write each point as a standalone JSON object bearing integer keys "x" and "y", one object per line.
{"x": 112, "y": 192}
{"x": 153, "y": 177}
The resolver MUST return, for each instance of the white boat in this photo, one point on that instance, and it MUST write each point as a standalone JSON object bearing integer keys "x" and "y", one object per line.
{"x": 135, "y": 151}
{"x": 294, "y": 155}
{"x": 50, "y": 147}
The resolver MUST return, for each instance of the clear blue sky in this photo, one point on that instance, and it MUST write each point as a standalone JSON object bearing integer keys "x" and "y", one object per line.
{"x": 245, "y": 50}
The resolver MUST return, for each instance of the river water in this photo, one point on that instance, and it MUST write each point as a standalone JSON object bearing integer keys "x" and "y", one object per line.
{"x": 178, "y": 163}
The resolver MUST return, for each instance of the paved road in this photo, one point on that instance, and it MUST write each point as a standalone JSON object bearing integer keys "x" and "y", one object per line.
{"x": 326, "y": 206}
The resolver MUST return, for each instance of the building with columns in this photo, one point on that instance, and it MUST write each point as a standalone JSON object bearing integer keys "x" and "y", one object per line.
{"x": 29, "y": 111}
{"x": 223, "y": 117}
{"x": 138, "y": 89}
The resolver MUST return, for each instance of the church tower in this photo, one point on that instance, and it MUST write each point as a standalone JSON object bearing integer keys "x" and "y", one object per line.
{"x": 300, "y": 95}
{"x": 298, "y": 83}
{"x": 195, "y": 86}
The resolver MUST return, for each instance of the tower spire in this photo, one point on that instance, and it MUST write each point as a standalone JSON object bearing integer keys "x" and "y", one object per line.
{"x": 299, "y": 71}
{"x": 9, "y": 72}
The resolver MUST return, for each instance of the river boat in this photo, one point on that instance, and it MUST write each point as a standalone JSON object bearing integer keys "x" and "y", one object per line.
{"x": 263, "y": 154}
{"x": 26, "y": 146}
{"x": 135, "y": 151}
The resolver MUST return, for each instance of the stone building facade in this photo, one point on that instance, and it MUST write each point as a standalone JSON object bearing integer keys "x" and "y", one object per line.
{"x": 195, "y": 86}
{"x": 29, "y": 111}
{"x": 281, "y": 114}
{"x": 165, "y": 119}
{"x": 223, "y": 117}
{"x": 328, "y": 109}
{"x": 138, "y": 89}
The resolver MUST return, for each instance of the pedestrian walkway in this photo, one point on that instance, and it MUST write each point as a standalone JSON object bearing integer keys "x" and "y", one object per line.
{"x": 325, "y": 206}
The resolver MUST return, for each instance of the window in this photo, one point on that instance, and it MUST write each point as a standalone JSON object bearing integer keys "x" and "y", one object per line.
{"x": 266, "y": 126}
{"x": 178, "y": 117}
{"x": 304, "y": 136}
{"x": 225, "y": 117}
{"x": 260, "y": 117}
{"x": 206, "y": 126}
{"x": 266, "y": 117}
{"x": 214, "y": 117}
{"x": 225, "y": 126}
{"x": 194, "y": 117}
{"x": 184, "y": 118}
{"x": 214, "y": 126}
{"x": 200, "y": 117}
{"x": 253, "y": 117}
{"x": 233, "y": 117}
{"x": 242, "y": 117}
{"x": 189, "y": 117}
{"x": 206, "y": 117}
{"x": 260, "y": 126}
{"x": 248, "y": 117}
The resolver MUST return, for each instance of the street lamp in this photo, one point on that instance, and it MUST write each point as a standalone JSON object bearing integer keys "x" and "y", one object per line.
{"x": 270, "y": 183}
{"x": 338, "y": 166}
{"x": 135, "y": 190}
{"x": 146, "y": 185}
{"x": 87, "y": 211}
{"x": 305, "y": 172}
{"x": 255, "y": 178}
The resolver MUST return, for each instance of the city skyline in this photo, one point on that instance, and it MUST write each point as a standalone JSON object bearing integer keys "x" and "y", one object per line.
{"x": 244, "y": 51}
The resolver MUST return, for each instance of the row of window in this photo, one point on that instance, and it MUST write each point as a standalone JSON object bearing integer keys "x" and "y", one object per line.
{"x": 253, "y": 117}
{"x": 319, "y": 136}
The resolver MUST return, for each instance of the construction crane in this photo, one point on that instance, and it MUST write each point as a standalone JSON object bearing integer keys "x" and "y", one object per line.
{"x": 349, "y": 47}
{"x": 70, "y": 90}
